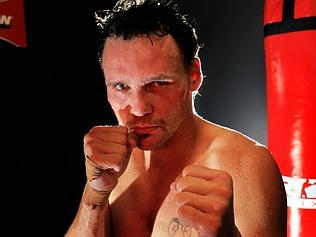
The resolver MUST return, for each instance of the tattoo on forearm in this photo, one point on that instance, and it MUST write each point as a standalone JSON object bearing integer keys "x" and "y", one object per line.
{"x": 175, "y": 226}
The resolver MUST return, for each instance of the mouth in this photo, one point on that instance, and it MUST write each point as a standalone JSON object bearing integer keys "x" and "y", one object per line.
{"x": 144, "y": 129}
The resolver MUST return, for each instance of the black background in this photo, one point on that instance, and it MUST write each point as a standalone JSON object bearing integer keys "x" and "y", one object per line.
{"x": 52, "y": 93}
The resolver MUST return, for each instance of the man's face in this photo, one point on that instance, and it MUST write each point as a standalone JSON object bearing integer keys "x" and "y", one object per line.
{"x": 147, "y": 87}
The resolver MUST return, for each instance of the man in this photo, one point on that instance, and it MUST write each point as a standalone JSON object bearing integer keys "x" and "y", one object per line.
{"x": 165, "y": 171}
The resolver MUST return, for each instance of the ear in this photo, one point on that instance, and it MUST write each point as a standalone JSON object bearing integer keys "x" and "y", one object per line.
{"x": 196, "y": 75}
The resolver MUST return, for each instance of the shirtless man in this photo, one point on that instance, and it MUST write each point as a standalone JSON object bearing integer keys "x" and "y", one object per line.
{"x": 165, "y": 171}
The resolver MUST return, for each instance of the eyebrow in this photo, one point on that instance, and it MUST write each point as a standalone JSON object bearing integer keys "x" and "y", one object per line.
{"x": 113, "y": 83}
{"x": 146, "y": 81}
{"x": 158, "y": 78}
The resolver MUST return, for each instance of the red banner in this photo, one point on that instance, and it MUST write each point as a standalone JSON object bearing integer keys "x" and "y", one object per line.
{"x": 12, "y": 22}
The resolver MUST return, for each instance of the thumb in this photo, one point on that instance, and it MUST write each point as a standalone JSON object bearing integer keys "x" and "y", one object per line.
{"x": 132, "y": 141}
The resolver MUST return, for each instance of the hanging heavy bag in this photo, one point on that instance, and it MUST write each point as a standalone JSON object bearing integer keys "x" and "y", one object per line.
{"x": 290, "y": 53}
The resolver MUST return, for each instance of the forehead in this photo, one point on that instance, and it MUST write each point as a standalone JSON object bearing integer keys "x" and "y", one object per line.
{"x": 141, "y": 53}
{"x": 143, "y": 43}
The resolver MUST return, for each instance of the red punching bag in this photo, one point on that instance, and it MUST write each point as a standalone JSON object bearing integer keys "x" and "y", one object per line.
{"x": 290, "y": 53}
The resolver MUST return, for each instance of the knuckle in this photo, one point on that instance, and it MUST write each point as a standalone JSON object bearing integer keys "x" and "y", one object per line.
{"x": 181, "y": 198}
{"x": 119, "y": 129}
{"x": 88, "y": 137}
{"x": 180, "y": 183}
{"x": 211, "y": 223}
{"x": 122, "y": 129}
{"x": 183, "y": 184}
{"x": 226, "y": 191}
{"x": 220, "y": 206}
{"x": 89, "y": 149}
{"x": 187, "y": 169}
{"x": 88, "y": 143}
{"x": 225, "y": 176}
{"x": 95, "y": 129}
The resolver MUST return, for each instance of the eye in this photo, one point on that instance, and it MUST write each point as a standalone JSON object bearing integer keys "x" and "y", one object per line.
{"x": 160, "y": 83}
{"x": 121, "y": 86}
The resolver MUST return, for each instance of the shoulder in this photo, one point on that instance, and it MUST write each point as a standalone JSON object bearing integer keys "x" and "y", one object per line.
{"x": 250, "y": 163}
{"x": 227, "y": 147}
{"x": 256, "y": 178}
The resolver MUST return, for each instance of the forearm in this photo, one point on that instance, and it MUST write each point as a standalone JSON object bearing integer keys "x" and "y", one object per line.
{"x": 93, "y": 218}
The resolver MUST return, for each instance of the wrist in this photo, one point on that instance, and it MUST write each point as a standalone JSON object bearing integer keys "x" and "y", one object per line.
{"x": 94, "y": 198}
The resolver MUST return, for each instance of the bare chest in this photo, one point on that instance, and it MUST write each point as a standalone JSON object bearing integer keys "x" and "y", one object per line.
{"x": 148, "y": 213}
{"x": 167, "y": 222}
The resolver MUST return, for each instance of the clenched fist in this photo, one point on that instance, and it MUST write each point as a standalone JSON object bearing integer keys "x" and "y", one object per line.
{"x": 204, "y": 198}
{"x": 107, "y": 150}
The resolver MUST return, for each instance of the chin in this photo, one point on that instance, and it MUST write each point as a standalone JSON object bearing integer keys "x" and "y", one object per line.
{"x": 148, "y": 144}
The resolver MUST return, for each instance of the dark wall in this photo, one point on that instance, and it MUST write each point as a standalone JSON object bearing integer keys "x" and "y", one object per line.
{"x": 233, "y": 93}
{"x": 52, "y": 93}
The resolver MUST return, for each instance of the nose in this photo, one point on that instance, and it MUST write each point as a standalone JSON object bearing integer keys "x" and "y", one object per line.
{"x": 139, "y": 104}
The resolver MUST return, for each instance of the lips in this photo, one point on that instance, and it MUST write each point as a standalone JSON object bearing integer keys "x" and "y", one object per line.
{"x": 144, "y": 129}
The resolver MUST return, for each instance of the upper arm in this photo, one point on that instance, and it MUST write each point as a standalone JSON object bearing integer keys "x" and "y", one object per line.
{"x": 259, "y": 195}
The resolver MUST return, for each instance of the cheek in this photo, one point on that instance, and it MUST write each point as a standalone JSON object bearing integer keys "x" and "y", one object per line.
{"x": 116, "y": 101}
{"x": 175, "y": 102}
{"x": 114, "y": 104}
{"x": 179, "y": 96}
